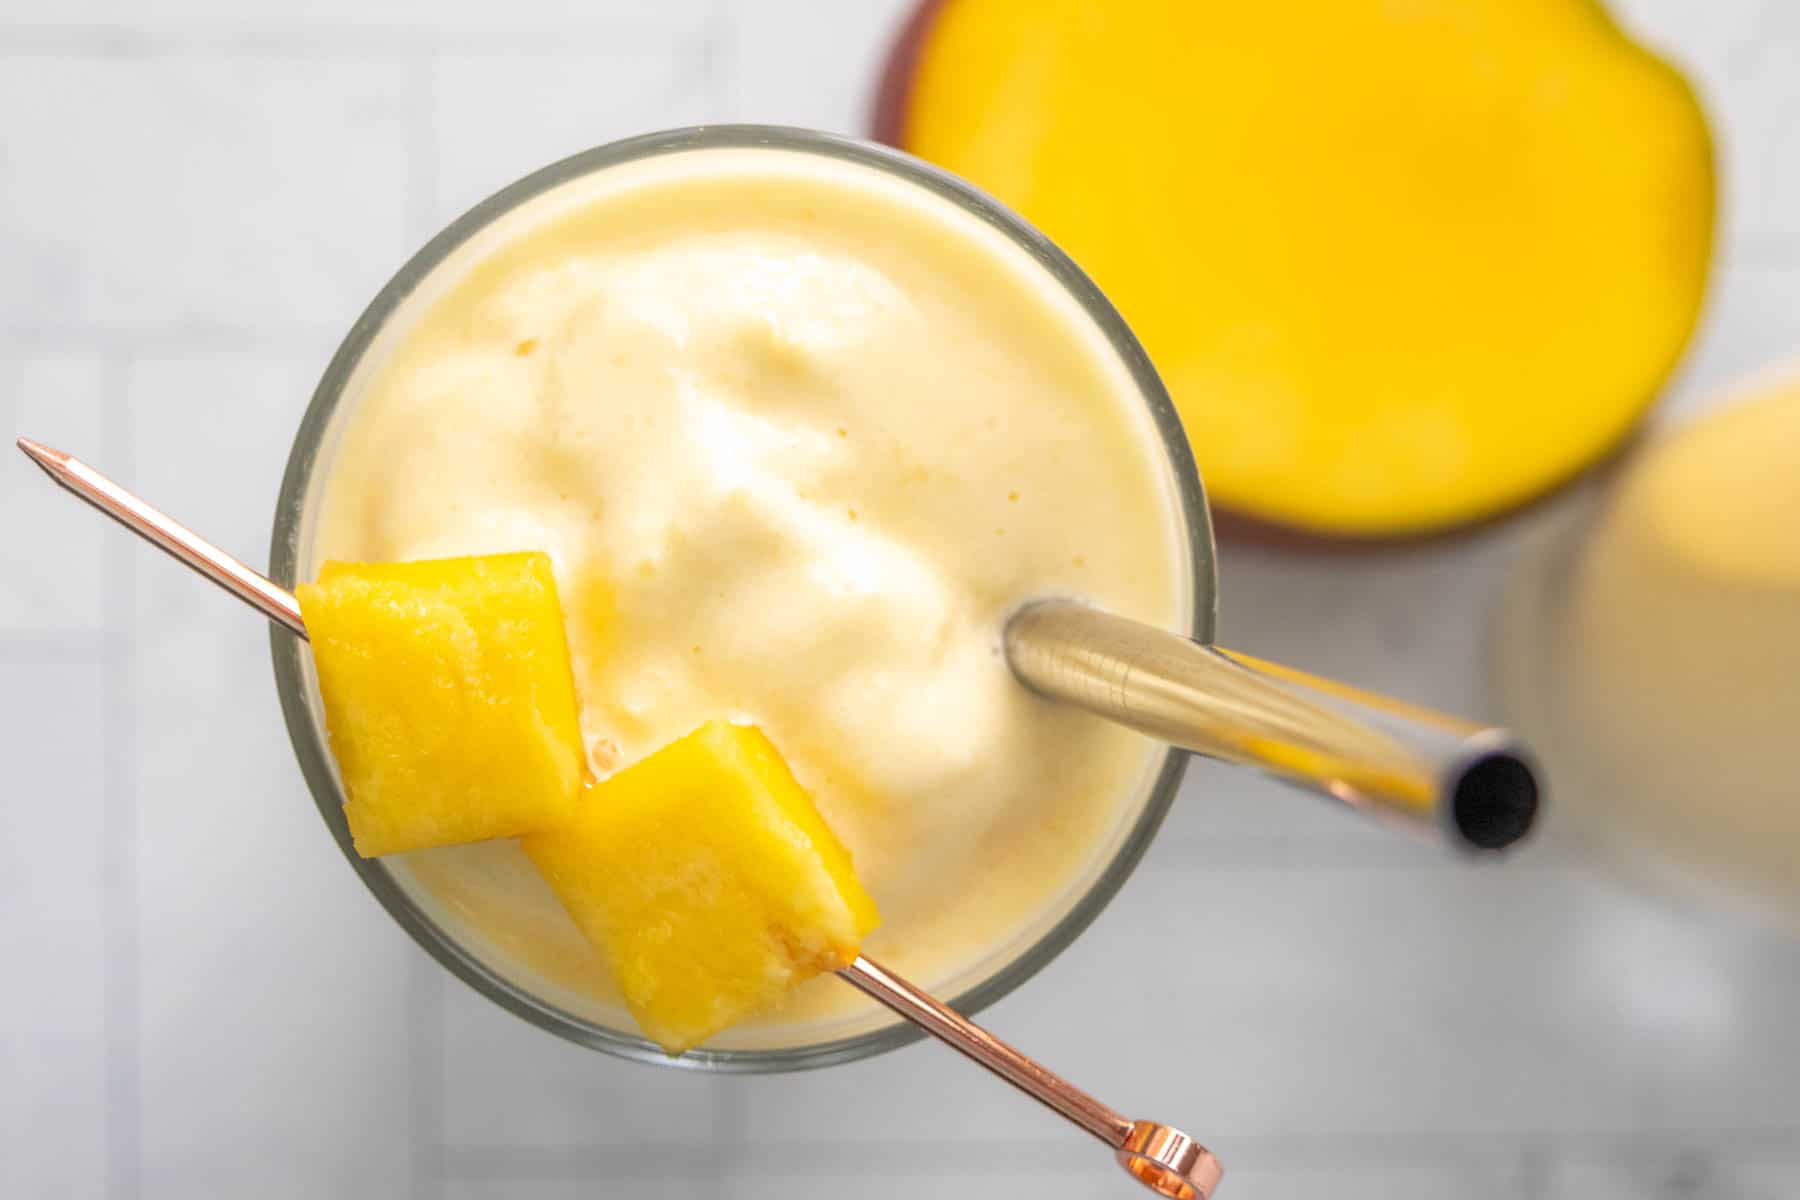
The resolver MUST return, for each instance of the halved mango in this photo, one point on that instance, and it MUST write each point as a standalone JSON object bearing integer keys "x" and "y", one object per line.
{"x": 706, "y": 878}
{"x": 449, "y": 698}
{"x": 1403, "y": 266}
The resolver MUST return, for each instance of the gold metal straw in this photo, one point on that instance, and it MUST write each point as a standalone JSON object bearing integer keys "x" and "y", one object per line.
{"x": 1162, "y": 1158}
{"x": 1470, "y": 786}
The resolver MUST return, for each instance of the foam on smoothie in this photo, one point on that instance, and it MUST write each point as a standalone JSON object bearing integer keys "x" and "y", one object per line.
{"x": 797, "y": 435}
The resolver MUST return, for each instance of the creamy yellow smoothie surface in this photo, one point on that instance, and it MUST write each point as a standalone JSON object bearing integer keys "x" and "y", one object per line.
{"x": 797, "y": 435}
{"x": 1659, "y": 669}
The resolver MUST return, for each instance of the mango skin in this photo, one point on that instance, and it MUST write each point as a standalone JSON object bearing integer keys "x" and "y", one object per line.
{"x": 449, "y": 698}
{"x": 1403, "y": 268}
{"x": 706, "y": 878}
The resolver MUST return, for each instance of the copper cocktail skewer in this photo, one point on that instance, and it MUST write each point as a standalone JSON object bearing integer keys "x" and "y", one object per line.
{"x": 1162, "y": 1158}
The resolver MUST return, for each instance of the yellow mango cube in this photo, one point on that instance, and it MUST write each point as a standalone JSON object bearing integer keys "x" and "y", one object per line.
{"x": 706, "y": 878}
{"x": 449, "y": 698}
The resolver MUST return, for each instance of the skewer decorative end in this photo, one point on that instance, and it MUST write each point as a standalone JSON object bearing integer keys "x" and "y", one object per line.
{"x": 1169, "y": 1162}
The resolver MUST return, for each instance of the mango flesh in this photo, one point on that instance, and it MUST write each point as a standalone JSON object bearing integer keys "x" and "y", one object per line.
{"x": 449, "y": 698}
{"x": 706, "y": 878}
{"x": 1402, "y": 266}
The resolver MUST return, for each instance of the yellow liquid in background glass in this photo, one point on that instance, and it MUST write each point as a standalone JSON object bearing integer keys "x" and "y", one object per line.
{"x": 797, "y": 435}
{"x": 1656, "y": 661}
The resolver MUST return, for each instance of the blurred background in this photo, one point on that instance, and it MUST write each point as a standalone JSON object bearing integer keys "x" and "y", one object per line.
{"x": 196, "y": 198}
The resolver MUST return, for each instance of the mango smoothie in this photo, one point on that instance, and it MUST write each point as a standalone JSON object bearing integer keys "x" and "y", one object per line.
{"x": 797, "y": 435}
{"x": 1654, "y": 654}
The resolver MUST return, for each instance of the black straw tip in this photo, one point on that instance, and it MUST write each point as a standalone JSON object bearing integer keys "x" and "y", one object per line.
{"x": 1495, "y": 800}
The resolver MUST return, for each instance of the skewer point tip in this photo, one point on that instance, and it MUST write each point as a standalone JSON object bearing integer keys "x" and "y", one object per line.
{"x": 52, "y": 462}
{"x": 41, "y": 454}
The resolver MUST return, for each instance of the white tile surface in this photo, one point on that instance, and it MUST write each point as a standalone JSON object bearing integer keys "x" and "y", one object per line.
{"x": 513, "y": 1093}
{"x": 1682, "y": 1176}
{"x": 52, "y": 889}
{"x": 1226, "y": 814}
{"x": 199, "y": 197}
{"x": 499, "y": 116}
{"x": 417, "y": 20}
{"x": 1372, "y": 617}
{"x": 211, "y": 436}
{"x": 1001, "y": 1176}
{"x": 794, "y": 62}
{"x": 1479, "y": 1179}
{"x": 1702, "y": 47}
{"x": 917, "y": 1095}
{"x": 273, "y": 1039}
{"x": 1752, "y": 319}
{"x": 1015, "y": 1175}
{"x": 50, "y": 556}
{"x": 1427, "y": 1000}
{"x": 678, "y": 1187}
{"x": 1741, "y": 56}
{"x": 193, "y": 192}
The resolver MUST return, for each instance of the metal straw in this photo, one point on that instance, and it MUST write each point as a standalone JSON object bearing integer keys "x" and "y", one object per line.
{"x": 1162, "y": 1158}
{"x": 1471, "y": 786}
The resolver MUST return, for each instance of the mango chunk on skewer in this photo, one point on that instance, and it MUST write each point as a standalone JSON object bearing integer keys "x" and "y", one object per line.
{"x": 706, "y": 878}
{"x": 449, "y": 698}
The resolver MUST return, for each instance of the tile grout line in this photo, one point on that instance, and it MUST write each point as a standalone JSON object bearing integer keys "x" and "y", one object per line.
{"x": 124, "y": 1124}
{"x": 730, "y": 1133}
{"x": 1232, "y": 852}
{"x": 292, "y": 341}
{"x": 1535, "y": 1155}
{"x": 1538, "y": 1170}
{"x": 331, "y": 42}
{"x": 57, "y": 647}
{"x": 714, "y": 39}
{"x": 425, "y": 1065}
{"x": 425, "y": 990}
{"x": 421, "y": 146}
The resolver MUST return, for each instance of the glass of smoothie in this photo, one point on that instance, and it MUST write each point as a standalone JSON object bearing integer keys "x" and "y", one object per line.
{"x": 1650, "y": 646}
{"x": 807, "y": 428}
{"x": 798, "y": 420}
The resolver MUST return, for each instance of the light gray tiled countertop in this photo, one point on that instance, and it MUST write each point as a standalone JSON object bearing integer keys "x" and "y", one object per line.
{"x": 197, "y": 196}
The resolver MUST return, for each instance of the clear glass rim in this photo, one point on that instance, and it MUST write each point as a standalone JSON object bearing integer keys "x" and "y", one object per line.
{"x": 308, "y": 739}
